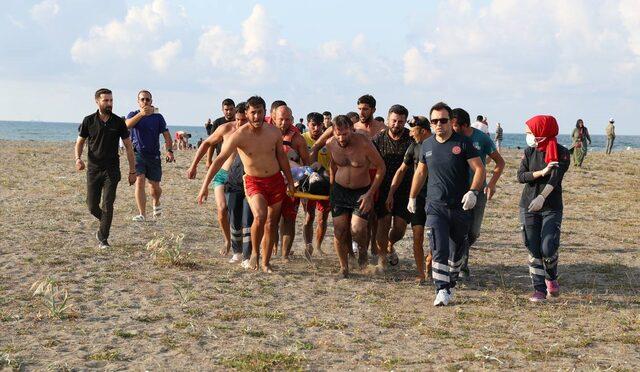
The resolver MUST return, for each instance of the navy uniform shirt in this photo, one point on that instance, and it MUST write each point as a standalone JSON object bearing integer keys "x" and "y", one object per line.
{"x": 411, "y": 159}
{"x": 448, "y": 167}
{"x": 103, "y": 139}
{"x": 533, "y": 160}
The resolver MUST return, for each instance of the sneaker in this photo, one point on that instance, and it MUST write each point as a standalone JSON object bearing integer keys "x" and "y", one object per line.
{"x": 442, "y": 298}
{"x": 138, "y": 218}
{"x": 157, "y": 211}
{"x": 464, "y": 272}
{"x": 354, "y": 248}
{"x": 237, "y": 257}
{"x": 245, "y": 264}
{"x": 102, "y": 243}
{"x": 538, "y": 296}
{"x": 553, "y": 288}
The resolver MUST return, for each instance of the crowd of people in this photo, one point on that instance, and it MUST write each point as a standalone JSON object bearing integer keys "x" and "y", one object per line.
{"x": 382, "y": 175}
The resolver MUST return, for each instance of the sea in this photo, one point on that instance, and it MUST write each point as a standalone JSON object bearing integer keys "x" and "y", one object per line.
{"x": 60, "y": 132}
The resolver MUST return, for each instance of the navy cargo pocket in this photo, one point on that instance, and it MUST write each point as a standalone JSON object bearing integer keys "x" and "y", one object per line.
{"x": 431, "y": 238}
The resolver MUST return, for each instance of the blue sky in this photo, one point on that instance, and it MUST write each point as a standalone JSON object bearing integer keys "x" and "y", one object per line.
{"x": 508, "y": 60}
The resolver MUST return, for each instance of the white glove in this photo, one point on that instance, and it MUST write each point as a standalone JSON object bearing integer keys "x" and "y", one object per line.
{"x": 536, "y": 204}
{"x": 411, "y": 207}
{"x": 469, "y": 200}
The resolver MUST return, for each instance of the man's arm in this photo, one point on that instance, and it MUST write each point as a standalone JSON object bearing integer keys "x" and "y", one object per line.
{"x": 300, "y": 145}
{"x": 78, "y": 150}
{"x": 479, "y": 173}
{"x": 319, "y": 144}
{"x": 168, "y": 144}
{"x": 283, "y": 161}
{"x": 130, "y": 159}
{"x": 132, "y": 121}
{"x": 376, "y": 160}
{"x": 497, "y": 172}
{"x": 419, "y": 176}
{"x": 228, "y": 149}
{"x": 207, "y": 144}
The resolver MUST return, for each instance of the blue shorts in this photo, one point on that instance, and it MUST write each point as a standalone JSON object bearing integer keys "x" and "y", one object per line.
{"x": 150, "y": 166}
{"x": 220, "y": 179}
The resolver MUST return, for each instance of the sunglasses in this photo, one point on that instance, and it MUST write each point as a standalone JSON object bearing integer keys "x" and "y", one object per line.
{"x": 145, "y": 99}
{"x": 441, "y": 121}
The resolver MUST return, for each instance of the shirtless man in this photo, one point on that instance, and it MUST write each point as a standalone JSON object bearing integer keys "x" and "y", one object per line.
{"x": 352, "y": 155}
{"x": 295, "y": 148}
{"x": 260, "y": 149}
{"x": 220, "y": 134}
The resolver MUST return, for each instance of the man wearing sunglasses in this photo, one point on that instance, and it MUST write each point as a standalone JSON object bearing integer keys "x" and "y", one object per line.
{"x": 146, "y": 125}
{"x": 448, "y": 158}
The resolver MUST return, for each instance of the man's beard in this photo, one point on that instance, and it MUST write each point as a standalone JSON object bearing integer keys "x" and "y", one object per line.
{"x": 107, "y": 109}
{"x": 395, "y": 131}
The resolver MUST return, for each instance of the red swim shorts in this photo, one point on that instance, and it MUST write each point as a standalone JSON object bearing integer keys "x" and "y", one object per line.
{"x": 290, "y": 208}
{"x": 321, "y": 205}
{"x": 272, "y": 187}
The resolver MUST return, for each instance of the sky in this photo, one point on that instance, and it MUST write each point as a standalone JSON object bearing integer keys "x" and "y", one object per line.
{"x": 505, "y": 59}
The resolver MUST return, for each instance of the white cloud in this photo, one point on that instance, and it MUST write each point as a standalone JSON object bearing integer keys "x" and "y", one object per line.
{"x": 257, "y": 31}
{"x": 17, "y": 23}
{"x": 417, "y": 70}
{"x": 358, "y": 42}
{"x": 630, "y": 15}
{"x": 163, "y": 57}
{"x": 138, "y": 31}
{"x": 331, "y": 49}
{"x": 45, "y": 10}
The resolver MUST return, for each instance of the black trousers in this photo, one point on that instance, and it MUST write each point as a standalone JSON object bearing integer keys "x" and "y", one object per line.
{"x": 541, "y": 236}
{"x": 102, "y": 184}
{"x": 240, "y": 219}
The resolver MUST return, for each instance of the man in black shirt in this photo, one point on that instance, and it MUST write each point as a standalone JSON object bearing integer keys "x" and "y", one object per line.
{"x": 228, "y": 114}
{"x": 448, "y": 157}
{"x": 420, "y": 131}
{"x": 103, "y": 129}
{"x": 392, "y": 143}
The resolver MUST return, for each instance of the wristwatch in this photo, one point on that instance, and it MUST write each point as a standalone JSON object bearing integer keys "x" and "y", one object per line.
{"x": 170, "y": 150}
{"x": 475, "y": 192}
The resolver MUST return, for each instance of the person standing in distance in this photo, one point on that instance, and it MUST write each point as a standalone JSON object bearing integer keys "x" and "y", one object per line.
{"x": 103, "y": 129}
{"x": 498, "y": 137}
{"x": 228, "y": 114}
{"x": 542, "y": 168}
{"x": 326, "y": 119}
{"x": 448, "y": 157}
{"x": 146, "y": 126}
{"x": 610, "y": 131}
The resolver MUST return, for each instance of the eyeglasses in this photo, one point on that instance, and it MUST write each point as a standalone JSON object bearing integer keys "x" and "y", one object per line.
{"x": 441, "y": 121}
{"x": 145, "y": 99}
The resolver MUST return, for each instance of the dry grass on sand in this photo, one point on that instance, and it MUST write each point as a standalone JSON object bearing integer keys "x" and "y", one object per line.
{"x": 127, "y": 310}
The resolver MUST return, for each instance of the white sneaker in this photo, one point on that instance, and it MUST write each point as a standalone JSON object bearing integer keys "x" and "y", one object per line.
{"x": 138, "y": 218}
{"x": 245, "y": 264}
{"x": 237, "y": 257}
{"x": 442, "y": 298}
{"x": 354, "y": 247}
{"x": 157, "y": 211}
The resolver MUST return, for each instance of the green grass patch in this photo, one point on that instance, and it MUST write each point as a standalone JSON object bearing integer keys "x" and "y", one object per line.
{"x": 260, "y": 361}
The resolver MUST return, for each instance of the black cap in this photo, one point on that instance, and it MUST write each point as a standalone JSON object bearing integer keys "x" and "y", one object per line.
{"x": 421, "y": 122}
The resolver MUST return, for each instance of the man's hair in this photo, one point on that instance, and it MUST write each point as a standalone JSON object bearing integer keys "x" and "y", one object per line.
{"x": 145, "y": 91}
{"x": 351, "y": 115}
{"x": 421, "y": 122}
{"x": 379, "y": 118}
{"x": 462, "y": 117}
{"x": 368, "y": 100}
{"x": 101, "y": 91}
{"x": 276, "y": 104}
{"x": 315, "y": 116}
{"x": 398, "y": 110}
{"x": 242, "y": 107}
{"x": 479, "y": 118}
{"x": 341, "y": 122}
{"x": 228, "y": 102}
{"x": 326, "y": 113}
{"x": 440, "y": 106}
{"x": 256, "y": 101}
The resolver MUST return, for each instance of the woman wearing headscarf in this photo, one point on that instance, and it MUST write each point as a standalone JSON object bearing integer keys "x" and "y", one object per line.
{"x": 541, "y": 171}
{"x": 580, "y": 137}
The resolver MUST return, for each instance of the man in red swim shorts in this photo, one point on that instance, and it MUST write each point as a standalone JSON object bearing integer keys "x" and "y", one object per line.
{"x": 261, "y": 152}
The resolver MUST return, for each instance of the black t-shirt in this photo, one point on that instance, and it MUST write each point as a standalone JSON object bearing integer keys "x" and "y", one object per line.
{"x": 393, "y": 153}
{"x": 411, "y": 159}
{"x": 209, "y": 128}
{"x": 448, "y": 168}
{"x": 533, "y": 160}
{"x": 103, "y": 139}
{"x": 216, "y": 123}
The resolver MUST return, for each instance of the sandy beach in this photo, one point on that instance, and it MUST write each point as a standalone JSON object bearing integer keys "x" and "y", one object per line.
{"x": 131, "y": 311}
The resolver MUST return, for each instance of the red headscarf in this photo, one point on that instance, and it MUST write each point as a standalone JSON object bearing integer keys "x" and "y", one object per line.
{"x": 545, "y": 126}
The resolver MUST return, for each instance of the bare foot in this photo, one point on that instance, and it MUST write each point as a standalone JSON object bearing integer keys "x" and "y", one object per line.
{"x": 319, "y": 248}
{"x": 344, "y": 273}
{"x": 225, "y": 249}
{"x": 363, "y": 260}
{"x": 286, "y": 259}
{"x": 420, "y": 279}
{"x": 267, "y": 269}
{"x": 253, "y": 262}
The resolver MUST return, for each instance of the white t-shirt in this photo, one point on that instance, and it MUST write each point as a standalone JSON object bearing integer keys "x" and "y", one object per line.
{"x": 481, "y": 126}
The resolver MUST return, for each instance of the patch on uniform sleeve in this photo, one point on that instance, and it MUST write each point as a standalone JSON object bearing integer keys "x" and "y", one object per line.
{"x": 456, "y": 150}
